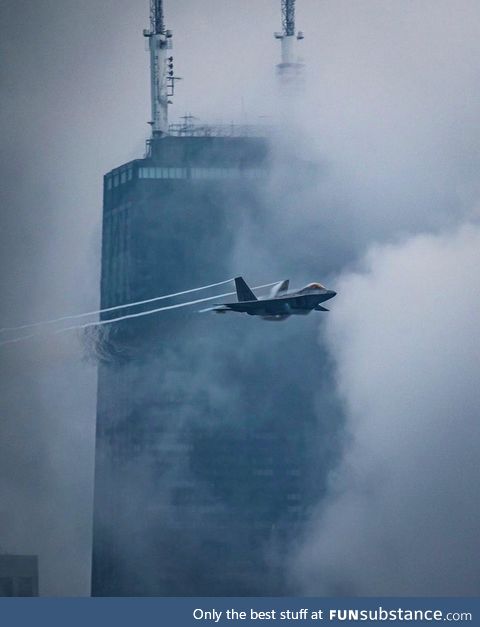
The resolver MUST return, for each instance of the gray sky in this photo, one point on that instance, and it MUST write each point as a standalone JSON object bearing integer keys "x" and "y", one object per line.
{"x": 391, "y": 115}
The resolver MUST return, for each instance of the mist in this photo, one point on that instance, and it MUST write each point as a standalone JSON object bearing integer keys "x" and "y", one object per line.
{"x": 388, "y": 121}
{"x": 401, "y": 513}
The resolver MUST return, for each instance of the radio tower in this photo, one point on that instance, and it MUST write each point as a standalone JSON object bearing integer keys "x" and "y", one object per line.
{"x": 161, "y": 68}
{"x": 290, "y": 68}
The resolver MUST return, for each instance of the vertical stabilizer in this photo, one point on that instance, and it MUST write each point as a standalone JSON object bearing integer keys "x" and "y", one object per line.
{"x": 279, "y": 288}
{"x": 243, "y": 291}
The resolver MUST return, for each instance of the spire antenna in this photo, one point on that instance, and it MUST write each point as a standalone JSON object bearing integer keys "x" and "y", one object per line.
{"x": 157, "y": 18}
{"x": 288, "y": 17}
{"x": 290, "y": 67}
{"x": 162, "y": 78}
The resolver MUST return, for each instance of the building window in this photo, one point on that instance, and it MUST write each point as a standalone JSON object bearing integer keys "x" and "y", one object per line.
{"x": 109, "y": 182}
{"x": 294, "y": 509}
{"x": 182, "y": 496}
{"x": 224, "y": 173}
{"x": 194, "y": 173}
{"x": 25, "y": 587}
{"x": 123, "y": 177}
{"x": 6, "y": 587}
{"x": 116, "y": 180}
{"x": 162, "y": 173}
{"x": 263, "y": 472}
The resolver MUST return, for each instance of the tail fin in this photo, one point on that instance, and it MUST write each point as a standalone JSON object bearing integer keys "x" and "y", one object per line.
{"x": 243, "y": 291}
{"x": 278, "y": 288}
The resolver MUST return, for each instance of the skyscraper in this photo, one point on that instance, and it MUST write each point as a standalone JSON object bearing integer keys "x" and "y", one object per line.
{"x": 18, "y": 575}
{"x": 203, "y": 447}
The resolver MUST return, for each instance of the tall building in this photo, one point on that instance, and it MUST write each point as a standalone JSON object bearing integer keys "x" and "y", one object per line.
{"x": 18, "y": 576}
{"x": 203, "y": 446}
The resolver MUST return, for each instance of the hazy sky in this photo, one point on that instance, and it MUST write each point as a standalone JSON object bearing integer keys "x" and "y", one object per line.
{"x": 390, "y": 112}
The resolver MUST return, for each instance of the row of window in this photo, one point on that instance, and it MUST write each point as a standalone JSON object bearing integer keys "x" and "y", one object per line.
{"x": 197, "y": 173}
{"x": 17, "y": 586}
{"x": 123, "y": 176}
{"x": 120, "y": 178}
{"x": 162, "y": 173}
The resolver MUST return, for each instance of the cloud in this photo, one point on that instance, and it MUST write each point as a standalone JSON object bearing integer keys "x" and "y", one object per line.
{"x": 401, "y": 515}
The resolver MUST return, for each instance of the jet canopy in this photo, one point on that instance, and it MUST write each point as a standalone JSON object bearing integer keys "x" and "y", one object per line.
{"x": 313, "y": 286}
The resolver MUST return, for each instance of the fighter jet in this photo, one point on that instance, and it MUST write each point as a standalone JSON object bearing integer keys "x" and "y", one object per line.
{"x": 280, "y": 304}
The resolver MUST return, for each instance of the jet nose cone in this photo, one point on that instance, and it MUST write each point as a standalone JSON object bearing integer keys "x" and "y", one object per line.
{"x": 332, "y": 293}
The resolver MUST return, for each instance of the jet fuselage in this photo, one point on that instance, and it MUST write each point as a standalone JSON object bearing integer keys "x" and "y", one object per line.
{"x": 281, "y": 304}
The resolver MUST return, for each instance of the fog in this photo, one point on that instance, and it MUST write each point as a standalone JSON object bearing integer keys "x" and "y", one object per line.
{"x": 402, "y": 511}
{"x": 389, "y": 119}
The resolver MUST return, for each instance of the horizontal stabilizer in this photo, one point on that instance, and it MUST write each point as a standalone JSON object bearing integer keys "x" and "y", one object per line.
{"x": 217, "y": 309}
{"x": 320, "y": 308}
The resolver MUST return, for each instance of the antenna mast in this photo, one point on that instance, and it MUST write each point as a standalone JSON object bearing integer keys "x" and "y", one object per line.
{"x": 161, "y": 68}
{"x": 288, "y": 17}
{"x": 290, "y": 68}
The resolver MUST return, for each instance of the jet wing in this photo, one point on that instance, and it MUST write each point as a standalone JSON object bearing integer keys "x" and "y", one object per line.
{"x": 217, "y": 309}
{"x": 243, "y": 306}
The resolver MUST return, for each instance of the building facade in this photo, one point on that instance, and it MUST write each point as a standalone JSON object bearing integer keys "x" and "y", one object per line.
{"x": 18, "y": 576}
{"x": 201, "y": 460}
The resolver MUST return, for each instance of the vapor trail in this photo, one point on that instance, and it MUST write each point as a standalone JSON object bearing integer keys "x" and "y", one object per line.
{"x": 99, "y": 323}
{"x": 100, "y": 311}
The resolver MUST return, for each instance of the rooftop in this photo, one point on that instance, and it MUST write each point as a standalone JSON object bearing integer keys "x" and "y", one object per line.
{"x": 189, "y": 129}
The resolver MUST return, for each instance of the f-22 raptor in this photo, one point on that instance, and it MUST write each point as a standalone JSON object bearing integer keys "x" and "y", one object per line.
{"x": 280, "y": 304}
